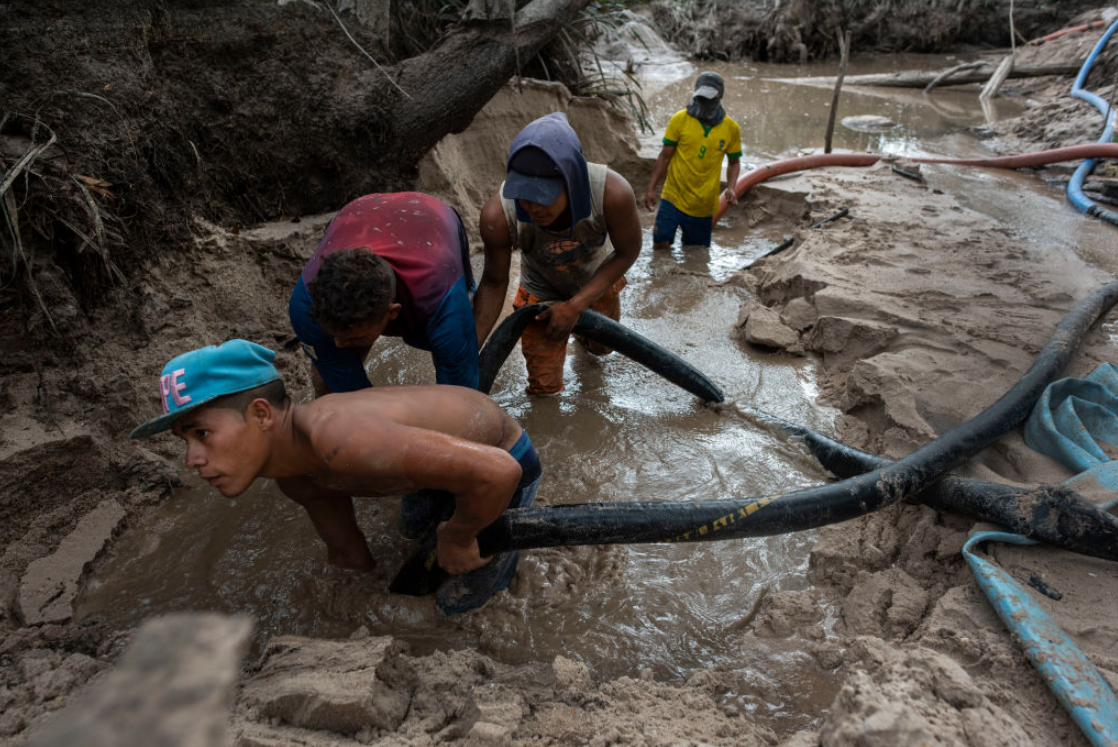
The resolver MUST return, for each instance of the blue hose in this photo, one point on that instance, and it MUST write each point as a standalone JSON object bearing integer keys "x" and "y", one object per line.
{"x": 1070, "y": 675}
{"x": 1075, "y": 186}
{"x": 1070, "y": 422}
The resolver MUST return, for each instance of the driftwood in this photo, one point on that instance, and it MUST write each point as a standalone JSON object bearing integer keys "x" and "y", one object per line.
{"x": 949, "y": 72}
{"x": 1005, "y": 69}
{"x": 980, "y": 74}
{"x": 990, "y": 90}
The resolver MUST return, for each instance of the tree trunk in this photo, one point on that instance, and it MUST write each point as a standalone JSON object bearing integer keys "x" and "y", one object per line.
{"x": 237, "y": 112}
{"x": 450, "y": 84}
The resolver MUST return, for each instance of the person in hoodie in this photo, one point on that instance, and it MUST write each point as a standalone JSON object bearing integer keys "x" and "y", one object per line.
{"x": 695, "y": 142}
{"x": 578, "y": 231}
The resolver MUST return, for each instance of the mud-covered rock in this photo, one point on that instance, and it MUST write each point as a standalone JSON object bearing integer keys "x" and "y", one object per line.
{"x": 338, "y": 686}
{"x": 783, "y": 613}
{"x": 843, "y": 339}
{"x": 764, "y": 327}
{"x": 173, "y": 686}
{"x": 888, "y": 604}
{"x": 50, "y": 584}
{"x": 799, "y": 314}
{"x": 915, "y": 696}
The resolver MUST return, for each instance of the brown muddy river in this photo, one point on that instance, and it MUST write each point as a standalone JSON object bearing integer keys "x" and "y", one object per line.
{"x": 618, "y": 433}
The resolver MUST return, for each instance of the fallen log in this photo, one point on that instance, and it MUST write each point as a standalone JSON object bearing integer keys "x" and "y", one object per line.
{"x": 923, "y": 78}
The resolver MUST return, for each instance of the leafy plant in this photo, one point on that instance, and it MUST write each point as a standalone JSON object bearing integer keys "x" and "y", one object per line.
{"x": 603, "y": 20}
{"x": 68, "y": 214}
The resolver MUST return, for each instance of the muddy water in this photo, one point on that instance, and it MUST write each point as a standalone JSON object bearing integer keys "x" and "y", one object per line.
{"x": 616, "y": 434}
{"x": 780, "y": 120}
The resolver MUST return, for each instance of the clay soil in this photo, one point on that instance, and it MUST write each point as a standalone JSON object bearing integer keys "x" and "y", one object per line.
{"x": 922, "y": 311}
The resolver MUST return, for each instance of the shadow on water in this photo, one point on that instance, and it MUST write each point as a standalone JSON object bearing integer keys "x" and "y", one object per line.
{"x": 618, "y": 433}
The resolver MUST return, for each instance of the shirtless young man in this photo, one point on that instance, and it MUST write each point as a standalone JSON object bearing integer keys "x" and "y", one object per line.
{"x": 229, "y": 405}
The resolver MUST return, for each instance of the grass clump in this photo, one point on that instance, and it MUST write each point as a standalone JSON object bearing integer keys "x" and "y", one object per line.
{"x": 44, "y": 204}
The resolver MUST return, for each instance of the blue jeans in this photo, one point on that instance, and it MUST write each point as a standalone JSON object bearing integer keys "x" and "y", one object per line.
{"x": 451, "y": 337}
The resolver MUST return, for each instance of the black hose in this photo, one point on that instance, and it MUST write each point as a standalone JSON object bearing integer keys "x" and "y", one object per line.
{"x": 1107, "y": 215}
{"x": 908, "y": 174}
{"x": 1051, "y": 513}
{"x": 789, "y": 242}
{"x": 604, "y": 523}
{"x": 678, "y": 521}
{"x": 601, "y": 329}
{"x": 601, "y": 523}
{"x": 499, "y": 346}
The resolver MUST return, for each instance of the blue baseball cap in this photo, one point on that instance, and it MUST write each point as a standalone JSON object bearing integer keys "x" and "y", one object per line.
{"x": 201, "y": 376}
{"x": 533, "y": 176}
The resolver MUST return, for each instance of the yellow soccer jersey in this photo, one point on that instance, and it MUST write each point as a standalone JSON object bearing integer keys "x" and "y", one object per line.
{"x": 695, "y": 171}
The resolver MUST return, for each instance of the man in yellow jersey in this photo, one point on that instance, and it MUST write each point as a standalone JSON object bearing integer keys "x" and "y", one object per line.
{"x": 696, "y": 140}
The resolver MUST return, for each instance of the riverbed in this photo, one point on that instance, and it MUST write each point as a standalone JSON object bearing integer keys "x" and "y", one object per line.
{"x": 617, "y": 433}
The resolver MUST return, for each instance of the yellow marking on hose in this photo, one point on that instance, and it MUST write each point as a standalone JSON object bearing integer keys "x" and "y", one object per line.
{"x": 724, "y": 521}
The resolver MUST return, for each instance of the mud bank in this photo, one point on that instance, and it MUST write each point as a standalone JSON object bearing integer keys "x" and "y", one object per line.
{"x": 925, "y": 308}
{"x": 924, "y": 312}
{"x": 802, "y": 31}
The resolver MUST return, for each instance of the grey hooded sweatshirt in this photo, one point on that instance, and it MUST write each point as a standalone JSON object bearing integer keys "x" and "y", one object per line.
{"x": 556, "y": 264}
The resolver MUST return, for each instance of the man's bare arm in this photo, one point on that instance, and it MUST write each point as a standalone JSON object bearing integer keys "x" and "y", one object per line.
{"x": 331, "y": 512}
{"x": 494, "y": 283}
{"x": 379, "y": 456}
{"x": 659, "y": 170}
{"x": 624, "y": 227}
{"x": 733, "y": 168}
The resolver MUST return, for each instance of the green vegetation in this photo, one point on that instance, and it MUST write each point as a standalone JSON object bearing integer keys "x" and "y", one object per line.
{"x": 66, "y": 213}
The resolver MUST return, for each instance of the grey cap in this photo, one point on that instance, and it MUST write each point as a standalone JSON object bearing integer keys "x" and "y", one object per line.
{"x": 709, "y": 85}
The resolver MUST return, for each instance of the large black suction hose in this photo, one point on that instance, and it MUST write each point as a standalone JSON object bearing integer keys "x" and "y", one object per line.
{"x": 642, "y": 522}
{"x": 1054, "y": 514}
{"x": 600, "y": 329}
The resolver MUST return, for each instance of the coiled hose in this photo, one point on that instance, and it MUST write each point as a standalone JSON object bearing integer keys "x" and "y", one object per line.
{"x": 1075, "y": 186}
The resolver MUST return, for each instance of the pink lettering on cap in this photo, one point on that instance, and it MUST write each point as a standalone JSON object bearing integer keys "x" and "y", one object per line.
{"x": 164, "y": 390}
{"x": 176, "y": 387}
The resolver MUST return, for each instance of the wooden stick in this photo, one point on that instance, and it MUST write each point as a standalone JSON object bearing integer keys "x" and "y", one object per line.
{"x": 844, "y": 49}
{"x": 1004, "y": 69}
{"x": 952, "y": 71}
{"x": 921, "y": 78}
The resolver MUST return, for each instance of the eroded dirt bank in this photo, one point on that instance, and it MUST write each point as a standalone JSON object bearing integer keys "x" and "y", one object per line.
{"x": 801, "y": 31}
{"x": 923, "y": 308}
